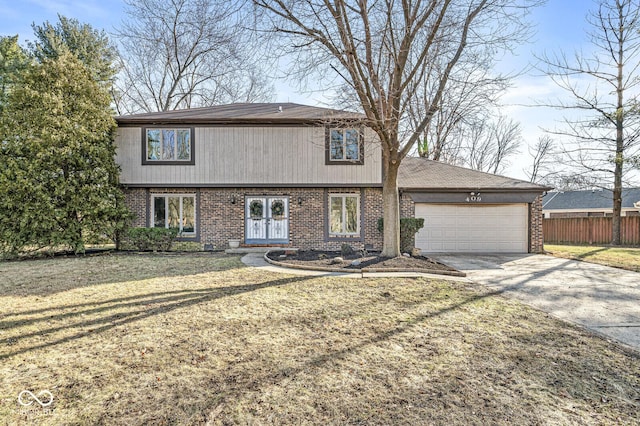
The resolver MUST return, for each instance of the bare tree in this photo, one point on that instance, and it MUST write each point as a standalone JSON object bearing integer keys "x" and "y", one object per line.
{"x": 541, "y": 154}
{"x": 489, "y": 144}
{"x": 188, "y": 53}
{"x": 470, "y": 97}
{"x": 604, "y": 131}
{"x": 567, "y": 180}
{"x": 385, "y": 51}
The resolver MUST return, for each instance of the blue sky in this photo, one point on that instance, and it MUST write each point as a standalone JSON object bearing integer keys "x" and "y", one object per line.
{"x": 560, "y": 24}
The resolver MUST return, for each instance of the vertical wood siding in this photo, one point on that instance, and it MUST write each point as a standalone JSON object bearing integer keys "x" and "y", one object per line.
{"x": 590, "y": 230}
{"x": 249, "y": 155}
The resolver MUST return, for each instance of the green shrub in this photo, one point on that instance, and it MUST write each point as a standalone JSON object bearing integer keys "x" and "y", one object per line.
{"x": 187, "y": 246}
{"x": 409, "y": 227}
{"x": 149, "y": 239}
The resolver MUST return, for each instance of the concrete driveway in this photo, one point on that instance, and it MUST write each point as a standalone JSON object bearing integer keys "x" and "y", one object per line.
{"x": 603, "y": 299}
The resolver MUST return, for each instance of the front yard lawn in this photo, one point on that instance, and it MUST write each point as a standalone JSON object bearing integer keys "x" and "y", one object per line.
{"x": 619, "y": 257}
{"x": 200, "y": 339}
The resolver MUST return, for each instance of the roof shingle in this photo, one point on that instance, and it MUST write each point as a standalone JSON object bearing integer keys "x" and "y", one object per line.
{"x": 420, "y": 173}
{"x": 588, "y": 199}
{"x": 255, "y": 113}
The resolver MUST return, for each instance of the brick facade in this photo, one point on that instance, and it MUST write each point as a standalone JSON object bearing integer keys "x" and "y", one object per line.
{"x": 536, "y": 239}
{"x": 220, "y": 214}
{"x": 136, "y": 200}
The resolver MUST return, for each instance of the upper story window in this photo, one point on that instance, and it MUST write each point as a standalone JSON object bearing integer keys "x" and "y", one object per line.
{"x": 167, "y": 146}
{"x": 344, "y": 145}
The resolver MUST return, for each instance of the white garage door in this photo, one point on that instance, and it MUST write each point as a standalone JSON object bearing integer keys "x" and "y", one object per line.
{"x": 458, "y": 228}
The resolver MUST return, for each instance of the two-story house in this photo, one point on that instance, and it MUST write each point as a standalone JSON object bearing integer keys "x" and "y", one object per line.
{"x": 307, "y": 177}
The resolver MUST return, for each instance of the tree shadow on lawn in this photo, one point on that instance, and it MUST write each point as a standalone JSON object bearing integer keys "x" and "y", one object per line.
{"x": 588, "y": 254}
{"x": 170, "y": 301}
{"x": 240, "y": 384}
{"x": 457, "y": 387}
{"x": 44, "y": 277}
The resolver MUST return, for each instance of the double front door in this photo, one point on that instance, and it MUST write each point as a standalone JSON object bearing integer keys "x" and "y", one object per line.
{"x": 266, "y": 220}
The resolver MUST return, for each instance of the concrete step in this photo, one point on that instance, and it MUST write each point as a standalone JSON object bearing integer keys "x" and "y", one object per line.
{"x": 244, "y": 250}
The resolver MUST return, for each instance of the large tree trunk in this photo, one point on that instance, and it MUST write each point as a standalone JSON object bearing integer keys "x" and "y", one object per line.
{"x": 617, "y": 204}
{"x": 391, "y": 210}
{"x": 617, "y": 191}
{"x": 619, "y": 159}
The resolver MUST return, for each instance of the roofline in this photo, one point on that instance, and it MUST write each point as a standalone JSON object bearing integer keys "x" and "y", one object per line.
{"x": 136, "y": 121}
{"x": 487, "y": 173}
{"x": 589, "y": 209}
{"x": 469, "y": 189}
{"x": 534, "y": 186}
{"x": 548, "y": 201}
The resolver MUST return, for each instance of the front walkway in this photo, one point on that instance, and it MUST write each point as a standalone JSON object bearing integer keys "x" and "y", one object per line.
{"x": 603, "y": 299}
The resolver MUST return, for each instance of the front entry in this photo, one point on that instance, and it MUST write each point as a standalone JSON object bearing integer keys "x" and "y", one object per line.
{"x": 266, "y": 220}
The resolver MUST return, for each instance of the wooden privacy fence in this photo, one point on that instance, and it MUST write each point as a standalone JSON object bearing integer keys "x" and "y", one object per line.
{"x": 590, "y": 230}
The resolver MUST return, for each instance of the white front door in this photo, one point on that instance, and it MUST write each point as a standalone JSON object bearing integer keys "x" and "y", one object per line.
{"x": 266, "y": 220}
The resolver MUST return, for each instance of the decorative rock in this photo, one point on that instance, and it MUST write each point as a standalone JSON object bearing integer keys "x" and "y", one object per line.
{"x": 406, "y": 254}
{"x": 415, "y": 252}
{"x": 356, "y": 262}
{"x": 283, "y": 256}
{"x": 322, "y": 256}
{"x": 337, "y": 260}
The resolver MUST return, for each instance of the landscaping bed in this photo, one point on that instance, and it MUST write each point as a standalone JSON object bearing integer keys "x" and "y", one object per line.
{"x": 358, "y": 262}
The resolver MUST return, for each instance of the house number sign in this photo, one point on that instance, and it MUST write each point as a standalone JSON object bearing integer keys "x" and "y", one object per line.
{"x": 474, "y": 197}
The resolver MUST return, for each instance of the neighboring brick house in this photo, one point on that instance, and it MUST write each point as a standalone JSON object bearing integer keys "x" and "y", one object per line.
{"x": 589, "y": 203}
{"x": 307, "y": 177}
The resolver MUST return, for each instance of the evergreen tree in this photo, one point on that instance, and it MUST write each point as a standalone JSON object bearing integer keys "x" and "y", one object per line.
{"x": 13, "y": 60}
{"x": 89, "y": 45}
{"x": 58, "y": 176}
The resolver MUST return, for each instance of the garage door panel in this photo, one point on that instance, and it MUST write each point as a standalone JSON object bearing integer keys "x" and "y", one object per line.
{"x": 473, "y": 228}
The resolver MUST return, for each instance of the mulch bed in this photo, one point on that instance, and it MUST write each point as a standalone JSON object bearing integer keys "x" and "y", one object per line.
{"x": 369, "y": 262}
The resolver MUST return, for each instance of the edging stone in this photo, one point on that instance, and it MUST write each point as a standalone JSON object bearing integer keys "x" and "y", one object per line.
{"x": 360, "y": 271}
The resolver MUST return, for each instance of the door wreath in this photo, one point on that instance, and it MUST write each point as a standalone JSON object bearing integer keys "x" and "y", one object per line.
{"x": 256, "y": 209}
{"x": 277, "y": 209}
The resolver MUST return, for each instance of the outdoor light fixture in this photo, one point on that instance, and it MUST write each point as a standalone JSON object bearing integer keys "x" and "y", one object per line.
{"x": 233, "y": 199}
{"x": 299, "y": 201}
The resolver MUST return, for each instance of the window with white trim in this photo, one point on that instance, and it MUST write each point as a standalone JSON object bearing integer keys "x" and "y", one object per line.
{"x": 344, "y": 214}
{"x": 175, "y": 211}
{"x": 170, "y": 145}
{"x": 344, "y": 145}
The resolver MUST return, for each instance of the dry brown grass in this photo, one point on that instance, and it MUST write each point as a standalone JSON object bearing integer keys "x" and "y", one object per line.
{"x": 619, "y": 257}
{"x": 197, "y": 339}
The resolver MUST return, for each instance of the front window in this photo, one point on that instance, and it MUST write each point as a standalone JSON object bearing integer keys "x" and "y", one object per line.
{"x": 344, "y": 145}
{"x": 344, "y": 214}
{"x": 168, "y": 145}
{"x": 175, "y": 211}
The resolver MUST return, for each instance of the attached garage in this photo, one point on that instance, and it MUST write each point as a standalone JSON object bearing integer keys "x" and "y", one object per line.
{"x": 460, "y": 228}
{"x": 467, "y": 211}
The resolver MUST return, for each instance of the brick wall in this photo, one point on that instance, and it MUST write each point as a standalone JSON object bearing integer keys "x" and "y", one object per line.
{"x": 536, "y": 239}
{"x": 136, "y": 200}
{"x": 407, "y": 206}
{"x": 373, "y": 212}
{"x": 218, "y": 219}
